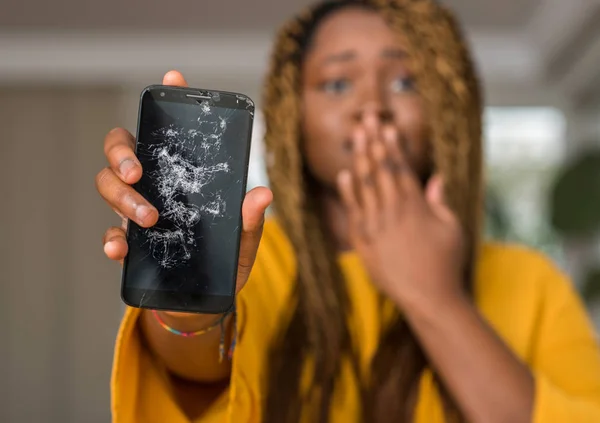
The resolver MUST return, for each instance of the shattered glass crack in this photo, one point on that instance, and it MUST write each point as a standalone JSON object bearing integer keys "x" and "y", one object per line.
{"x": 185, "y": 165}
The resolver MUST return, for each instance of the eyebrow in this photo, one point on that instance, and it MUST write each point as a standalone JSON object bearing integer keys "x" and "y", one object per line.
{"x": 344, "y": 56}
{"x": 348, "y": 55}
{"x": 394, "y": 53}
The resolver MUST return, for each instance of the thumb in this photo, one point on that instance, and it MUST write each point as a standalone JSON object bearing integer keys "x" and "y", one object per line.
{"x": 175, "y": 79}
{"x": 434, "y": 193}
{"x": 253, "y": 218}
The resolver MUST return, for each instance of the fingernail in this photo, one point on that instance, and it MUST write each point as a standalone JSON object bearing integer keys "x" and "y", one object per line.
{"x": 141, "y": 212}
{"x": 126, "y": 166}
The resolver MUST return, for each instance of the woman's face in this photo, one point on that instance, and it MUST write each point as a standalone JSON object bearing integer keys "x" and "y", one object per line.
{"x": 357, "y": 66}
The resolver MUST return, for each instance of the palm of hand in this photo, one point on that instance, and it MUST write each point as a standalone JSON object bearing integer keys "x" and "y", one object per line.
{"x": 408, "y": 239}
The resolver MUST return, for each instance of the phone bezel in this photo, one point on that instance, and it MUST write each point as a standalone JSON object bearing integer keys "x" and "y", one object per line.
{"x": 174, "y": 300}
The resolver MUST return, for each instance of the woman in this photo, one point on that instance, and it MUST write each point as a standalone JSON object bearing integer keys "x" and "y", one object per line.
{"x": 371, "y": 298}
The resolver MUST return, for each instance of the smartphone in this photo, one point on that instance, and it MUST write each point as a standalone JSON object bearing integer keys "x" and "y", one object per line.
{"x": 194, "y": 148}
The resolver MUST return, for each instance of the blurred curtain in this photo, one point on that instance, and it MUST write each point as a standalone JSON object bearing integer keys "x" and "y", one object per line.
{"x": 59, "y": 296}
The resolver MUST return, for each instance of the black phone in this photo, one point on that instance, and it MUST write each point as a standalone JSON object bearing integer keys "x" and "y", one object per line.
{"x": 194, "y": 148}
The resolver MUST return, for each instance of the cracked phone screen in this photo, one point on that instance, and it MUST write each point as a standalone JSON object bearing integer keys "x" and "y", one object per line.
{"x": 194, "y": 160}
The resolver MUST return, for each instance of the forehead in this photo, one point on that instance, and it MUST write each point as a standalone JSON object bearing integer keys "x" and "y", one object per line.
{"x": 353, "y": 28}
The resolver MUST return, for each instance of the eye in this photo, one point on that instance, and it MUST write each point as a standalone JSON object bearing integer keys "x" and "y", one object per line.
{"x": 402, "y": 84}
{"x": 336, "y": 86}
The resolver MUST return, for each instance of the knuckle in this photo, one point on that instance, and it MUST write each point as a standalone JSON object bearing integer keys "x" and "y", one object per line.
{"x": 108, "y": 235}
{"x": 115, "y": 138}
{"x": 113, "y": 234}
{"x": 123, "y": 198}
{"x": 114, "y": 151}
{"x": 113, "y": 133}
{"x": 118, "y": 132}
{"x": 245, "y": 266}
{"x": 114, "y": 230}
{"x": 102, "y": 177}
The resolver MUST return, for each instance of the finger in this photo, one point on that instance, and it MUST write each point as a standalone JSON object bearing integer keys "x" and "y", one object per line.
{"x": 115, "y": 244}
{"x": 372, "y": 126}
{"x": 347, "y": 192}
{"x": 174, "y": 78}
{"x": 434, "y": 193}
{"x": 253, "y": 218}
{"x": 119, "y": 147}
{"x": 365, "y": 184}
{"x": 405, "y": 177}
{"x": 385, "y": 179}
{"x": 125, "y": 199}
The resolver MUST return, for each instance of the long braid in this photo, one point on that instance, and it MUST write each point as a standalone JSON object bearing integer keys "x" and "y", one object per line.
{"x": 318, "y": 325}
{"x": 317, "y": 331}
{"x": 448, "y": 86}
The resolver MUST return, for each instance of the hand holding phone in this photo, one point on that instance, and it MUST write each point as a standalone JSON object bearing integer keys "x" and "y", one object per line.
{"x": 114, "y": 184}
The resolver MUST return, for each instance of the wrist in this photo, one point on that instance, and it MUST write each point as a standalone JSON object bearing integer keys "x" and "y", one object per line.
{"x": 430, "y": 307}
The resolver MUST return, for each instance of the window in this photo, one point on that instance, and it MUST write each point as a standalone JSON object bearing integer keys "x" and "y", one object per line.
{"x": 257, "y": 173}
{"x": 524, "y": 147}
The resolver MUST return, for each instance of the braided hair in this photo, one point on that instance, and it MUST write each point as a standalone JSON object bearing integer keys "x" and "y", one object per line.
{"x": 316, "y": 338}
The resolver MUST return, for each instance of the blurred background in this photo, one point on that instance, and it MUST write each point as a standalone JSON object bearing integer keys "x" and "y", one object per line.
{"x": 72, "y": 70}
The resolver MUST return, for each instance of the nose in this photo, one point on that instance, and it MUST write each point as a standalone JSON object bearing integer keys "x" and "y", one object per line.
{"x": 374, "y": 103}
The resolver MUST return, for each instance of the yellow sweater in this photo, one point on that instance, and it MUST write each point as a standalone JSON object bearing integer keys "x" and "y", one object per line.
{"x": 529, "y": 302}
